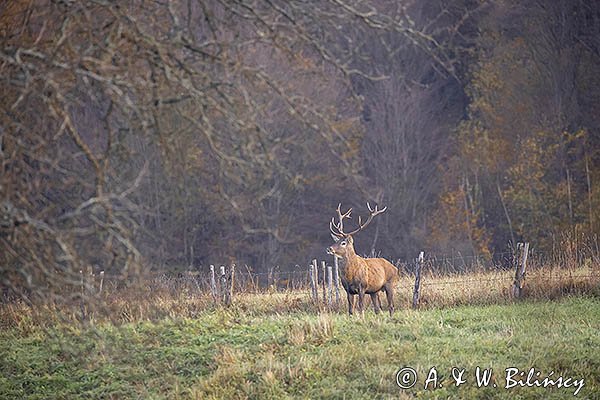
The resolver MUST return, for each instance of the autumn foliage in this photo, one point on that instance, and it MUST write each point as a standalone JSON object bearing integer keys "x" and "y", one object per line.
{"x": 171, "y": 135}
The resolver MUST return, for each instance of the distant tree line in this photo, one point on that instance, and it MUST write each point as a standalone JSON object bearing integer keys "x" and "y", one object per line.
{"x": 141, "y": 134}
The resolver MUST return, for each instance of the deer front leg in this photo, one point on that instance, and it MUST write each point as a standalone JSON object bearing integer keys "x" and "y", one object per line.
{"x": 361, "y": 300}
{"x": 350, "y": 303}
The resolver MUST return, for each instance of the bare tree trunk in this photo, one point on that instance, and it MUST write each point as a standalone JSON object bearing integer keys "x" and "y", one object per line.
{"x": 465, "y": 187}
{"x": 512, "y": 234}
{"x": 375, "y": 237}
{"x": 589, "y": 190}
{"x": 569, "y": 196}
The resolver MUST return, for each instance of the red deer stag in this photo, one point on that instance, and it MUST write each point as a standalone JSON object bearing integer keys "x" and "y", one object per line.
{"x": 361, "y": 275}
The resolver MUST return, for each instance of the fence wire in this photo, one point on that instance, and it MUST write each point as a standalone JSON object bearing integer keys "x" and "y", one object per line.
{"x": 446, "y": 269}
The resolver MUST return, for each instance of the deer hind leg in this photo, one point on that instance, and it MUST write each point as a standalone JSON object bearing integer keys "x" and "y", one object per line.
{"x": 389, "y": 293}
{"x": 351, "y": 300}
{"x": 376, "y": 302}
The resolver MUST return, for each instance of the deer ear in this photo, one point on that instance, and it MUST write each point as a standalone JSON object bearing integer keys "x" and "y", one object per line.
{"x": 335, "y": 238}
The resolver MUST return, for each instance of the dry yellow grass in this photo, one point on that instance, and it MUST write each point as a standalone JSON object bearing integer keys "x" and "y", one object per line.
{"x": 169, "y": 298}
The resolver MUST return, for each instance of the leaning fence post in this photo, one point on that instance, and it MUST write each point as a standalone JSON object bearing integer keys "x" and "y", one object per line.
{"x": 313, "y": 280}
{"x": 418, "y": 267}
{"x": 316, "y": 276}
{"x": 520, "y": 269}
{"x": 336, "y": 280}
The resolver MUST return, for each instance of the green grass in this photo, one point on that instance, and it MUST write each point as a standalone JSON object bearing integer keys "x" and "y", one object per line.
{"x": 237, "y": 353}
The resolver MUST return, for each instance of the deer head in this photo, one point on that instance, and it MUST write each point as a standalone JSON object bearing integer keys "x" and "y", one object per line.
{"x": 344, "y": 244}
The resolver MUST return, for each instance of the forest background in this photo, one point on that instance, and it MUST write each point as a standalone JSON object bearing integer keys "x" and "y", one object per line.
{"x": 150, "y": 134}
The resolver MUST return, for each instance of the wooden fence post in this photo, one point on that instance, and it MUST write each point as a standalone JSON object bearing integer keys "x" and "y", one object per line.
{"x": 231, "y": 281}
{"x": 336, "y": 279}
{"x": 418, "y": 266}
{"x": 227, "y": 284}
{"x": 520, "y": 269}
{"x": 316, "y": 268}
{"x": 270, "y": 279}
{"x": 82, "y": 294}
{"x": 329, "y": 286}
{"x": 313, "y": 280}
{"x": 213, "y": 285}
{"x": 223, "y": 285}
{"x": 101, "y": 282}
{"x": 324, "y": 285}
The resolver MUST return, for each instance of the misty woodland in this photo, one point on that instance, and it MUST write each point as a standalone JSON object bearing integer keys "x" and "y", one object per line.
{"x": 141, "y": 135}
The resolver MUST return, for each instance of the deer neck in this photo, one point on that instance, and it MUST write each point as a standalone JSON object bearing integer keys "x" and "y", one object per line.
{"x": 351, "y": 261}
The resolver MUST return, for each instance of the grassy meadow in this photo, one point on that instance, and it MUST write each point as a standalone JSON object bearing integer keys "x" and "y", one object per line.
{"x": 174, "y": 343}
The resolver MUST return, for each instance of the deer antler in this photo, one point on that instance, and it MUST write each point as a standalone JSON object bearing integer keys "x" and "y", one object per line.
{"x": 338, "y": 229}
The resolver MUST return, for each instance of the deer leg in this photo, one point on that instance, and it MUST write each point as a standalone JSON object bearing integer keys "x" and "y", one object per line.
{"x": 361, "y": 301}
{"x": 375, "y": 301}
{"x": 389, "y": 293}
{"x": 351, "y": 300}
{"x": 379, "y": 302}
